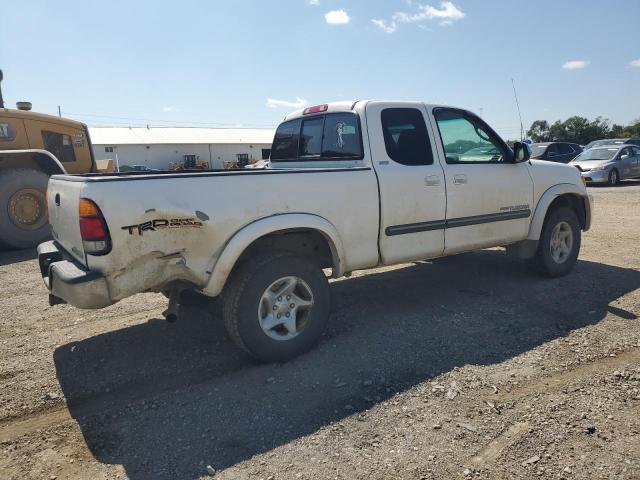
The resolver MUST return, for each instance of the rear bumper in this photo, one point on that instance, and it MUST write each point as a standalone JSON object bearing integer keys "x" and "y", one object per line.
{"x": 68, "y": 281}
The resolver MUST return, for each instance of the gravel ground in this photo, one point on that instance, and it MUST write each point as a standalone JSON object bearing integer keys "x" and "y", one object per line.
{"x": 465, "y": 367}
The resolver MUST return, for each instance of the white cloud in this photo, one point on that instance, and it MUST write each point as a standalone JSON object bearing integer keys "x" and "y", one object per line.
{"x": 169, "y": 109}
{"x": 299, "y": 103}
{"x": 313, "y": 2}
{"x": 635, "y": 63}
{"x": 575, "y": 64}
{"x": 382, "y": 25}
{"x": 447, "y": 14}
{"x": 337, "y": 17}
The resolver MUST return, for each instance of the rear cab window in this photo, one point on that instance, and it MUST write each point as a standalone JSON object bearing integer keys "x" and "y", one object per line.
{"x": 332, "y": 136}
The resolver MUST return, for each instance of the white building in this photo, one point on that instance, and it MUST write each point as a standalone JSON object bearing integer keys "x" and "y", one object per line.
{"x": 157, "y": 147}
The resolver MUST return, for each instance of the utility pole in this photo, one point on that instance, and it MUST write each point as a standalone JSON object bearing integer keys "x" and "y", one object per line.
{"x": 59, "y": 112}
{"x": 1, "y": 100}
{"x": 518, "y": 105}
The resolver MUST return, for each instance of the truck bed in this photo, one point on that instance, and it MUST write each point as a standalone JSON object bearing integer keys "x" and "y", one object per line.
{"x": 173, "y": 226}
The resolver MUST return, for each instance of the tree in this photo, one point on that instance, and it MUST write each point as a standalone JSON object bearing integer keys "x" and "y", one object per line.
{"x": 539, "y": 131}
{"x": 580, "y": 130}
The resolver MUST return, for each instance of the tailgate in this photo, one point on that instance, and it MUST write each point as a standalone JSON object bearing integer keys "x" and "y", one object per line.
{"x": 63, "y": 197}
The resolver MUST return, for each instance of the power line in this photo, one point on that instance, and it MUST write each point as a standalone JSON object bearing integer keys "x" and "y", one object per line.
{"x": 146, "y": 120}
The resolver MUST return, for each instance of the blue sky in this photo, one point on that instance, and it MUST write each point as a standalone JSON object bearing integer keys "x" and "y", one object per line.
{"x": 219, "y": 62}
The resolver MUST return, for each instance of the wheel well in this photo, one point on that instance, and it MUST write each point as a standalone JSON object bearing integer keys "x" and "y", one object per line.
{"x": 574, "y": 202}
{"x": 34, "y": 160}
{"x": 306, "y": 242}
{"x": 45, "y": 164}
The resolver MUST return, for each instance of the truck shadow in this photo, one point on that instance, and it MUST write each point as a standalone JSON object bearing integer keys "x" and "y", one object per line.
{"x": 7, "y": 257}
{"x": 165, "y": 400}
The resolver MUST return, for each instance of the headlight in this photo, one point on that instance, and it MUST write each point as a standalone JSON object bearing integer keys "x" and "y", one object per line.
{"x": 600, "y": 168}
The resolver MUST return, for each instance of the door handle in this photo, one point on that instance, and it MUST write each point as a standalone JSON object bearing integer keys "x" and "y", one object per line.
{"x": 431, "y": 180}
{"x": 459, "y": 179}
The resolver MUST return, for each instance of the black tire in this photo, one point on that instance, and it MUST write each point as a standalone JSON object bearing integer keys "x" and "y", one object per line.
{"x": 241, "y": 299}
{"x": 12, "y": 181}
{"x": 543, "y": 262}
{"x": 614, "y": 178}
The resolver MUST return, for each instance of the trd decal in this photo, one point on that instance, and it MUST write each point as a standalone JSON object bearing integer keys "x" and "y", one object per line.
{"x": 160, "y": 223}
{"x": 514, "y": 208}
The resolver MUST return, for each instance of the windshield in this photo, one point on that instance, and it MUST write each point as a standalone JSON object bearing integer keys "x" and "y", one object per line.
{"x": 597, "y": 154}
{"x": 609, "y": 141}
{"x": 537, "y": 150}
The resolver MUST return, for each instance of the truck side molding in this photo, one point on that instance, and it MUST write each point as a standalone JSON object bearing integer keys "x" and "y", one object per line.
{"x": 547, "y": 199}
{"x": 243, "y": 238}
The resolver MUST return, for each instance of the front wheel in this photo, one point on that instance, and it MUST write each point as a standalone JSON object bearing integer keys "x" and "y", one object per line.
{"x": 559, "y": 244}
{"x": 276, "y": 306}
{"x": 614, "y": 178}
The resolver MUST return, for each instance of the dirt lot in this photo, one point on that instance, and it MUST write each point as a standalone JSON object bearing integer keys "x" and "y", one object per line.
{"x": 463, "y": 367}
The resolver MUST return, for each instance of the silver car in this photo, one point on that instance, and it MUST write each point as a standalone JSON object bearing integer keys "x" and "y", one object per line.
{"x": 608, "y": 163}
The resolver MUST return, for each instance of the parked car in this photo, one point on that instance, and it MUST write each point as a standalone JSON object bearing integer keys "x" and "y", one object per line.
{"x": 609, "y": 163}
{"x": 352, "y": 185}
{"x": 259, "y": 164}
{"x": 560, "y": 152}
{"x": 613, "y": 141}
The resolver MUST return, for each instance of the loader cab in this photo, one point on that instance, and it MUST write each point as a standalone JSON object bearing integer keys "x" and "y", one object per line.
{"x": 67, "y": 140}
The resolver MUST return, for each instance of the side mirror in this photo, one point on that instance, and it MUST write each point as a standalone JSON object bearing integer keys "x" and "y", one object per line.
{"x": 521, "y": 152}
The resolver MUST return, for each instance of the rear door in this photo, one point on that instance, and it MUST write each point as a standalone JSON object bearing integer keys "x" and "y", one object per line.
{"x": 412, "y": 185}
{"x": 489, "y": 199}
{"x": 566, "y": 153}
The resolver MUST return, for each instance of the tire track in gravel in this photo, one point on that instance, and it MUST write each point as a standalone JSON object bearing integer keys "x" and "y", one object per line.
{"x": 554, "y": 383}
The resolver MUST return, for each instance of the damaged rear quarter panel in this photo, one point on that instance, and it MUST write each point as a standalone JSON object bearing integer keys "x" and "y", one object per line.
{"x": 165, "y": 229}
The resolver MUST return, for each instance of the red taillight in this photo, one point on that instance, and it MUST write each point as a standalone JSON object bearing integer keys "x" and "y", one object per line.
{"x": 93, "y": 228}
{"x": 316, "y": 109}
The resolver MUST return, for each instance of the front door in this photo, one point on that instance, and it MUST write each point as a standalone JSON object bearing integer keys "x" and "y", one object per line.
{"x": 412, "y": 186}
{"x": 489, "y": 198}
{"x": 625, "y": 163}
{"x": 635, "y": 164}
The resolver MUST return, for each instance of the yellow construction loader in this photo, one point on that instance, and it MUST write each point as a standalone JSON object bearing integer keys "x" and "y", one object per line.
{"x": 34, "y": 146}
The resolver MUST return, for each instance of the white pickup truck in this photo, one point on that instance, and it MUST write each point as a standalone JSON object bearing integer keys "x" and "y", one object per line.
{"x": 351, "y": 185}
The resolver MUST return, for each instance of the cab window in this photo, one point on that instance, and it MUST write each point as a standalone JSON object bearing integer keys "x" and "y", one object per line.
{"x": 285, "y": 143}
{"x": 330, "y": 136}
{"x": 405, "y": 136}
{"x": 467, "y": 139}
{"x": 59, "y": 145}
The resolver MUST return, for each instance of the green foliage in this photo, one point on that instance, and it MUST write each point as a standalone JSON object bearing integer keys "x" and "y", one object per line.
{"x": 580, "y": 130}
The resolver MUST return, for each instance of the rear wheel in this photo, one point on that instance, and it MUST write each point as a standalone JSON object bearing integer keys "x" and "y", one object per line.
{"x": 559, "y": 244}
{"x": 23, "y": 209}
{"x": 276, "y": 306}
{"x": 614, "y": 178}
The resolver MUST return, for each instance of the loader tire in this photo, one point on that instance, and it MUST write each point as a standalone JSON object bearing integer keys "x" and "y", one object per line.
{"x": 24, "y": 222}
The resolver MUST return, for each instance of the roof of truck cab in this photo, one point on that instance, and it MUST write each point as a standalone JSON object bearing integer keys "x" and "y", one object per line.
{"x": 41, "y": 117}
{"x": 348, "y": 106}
